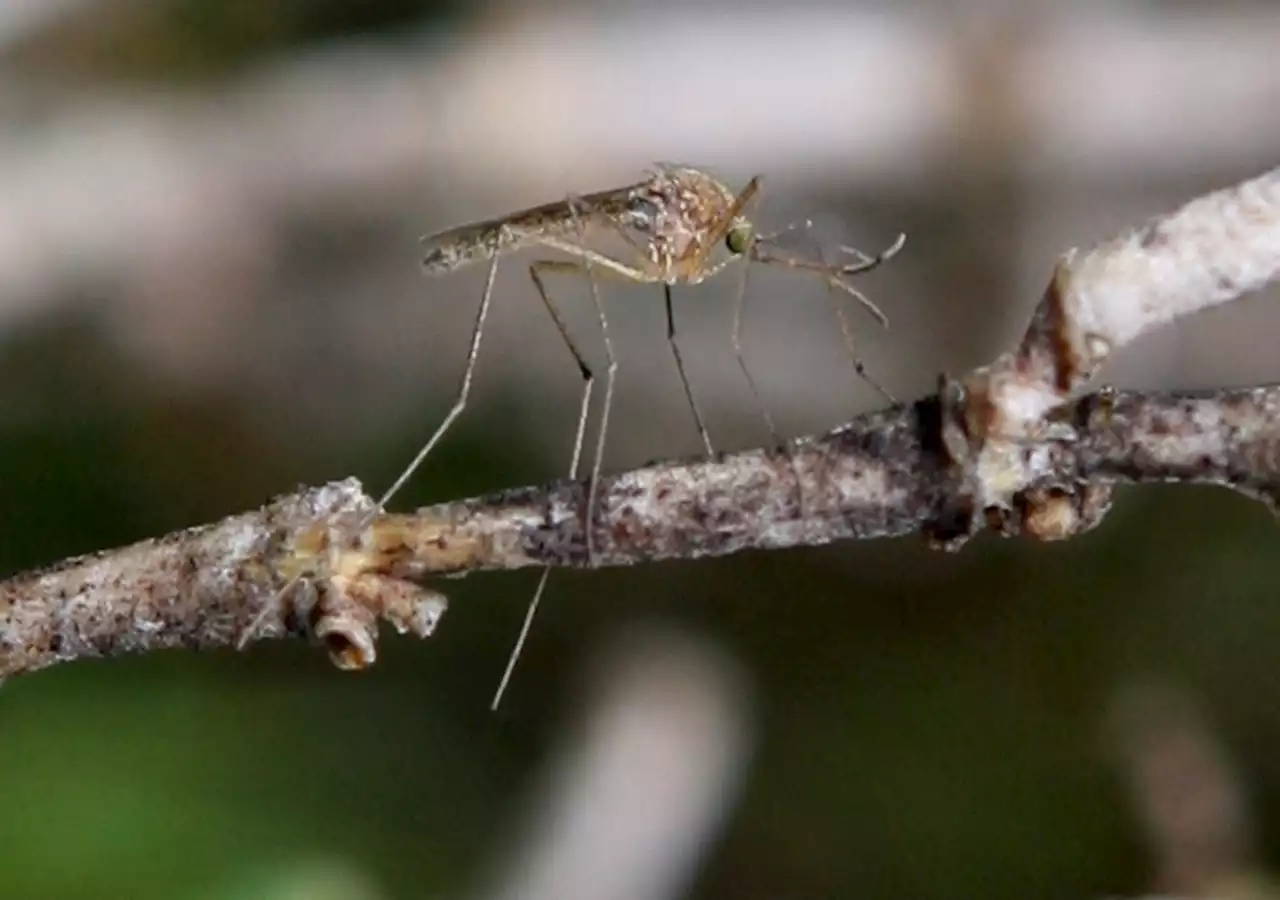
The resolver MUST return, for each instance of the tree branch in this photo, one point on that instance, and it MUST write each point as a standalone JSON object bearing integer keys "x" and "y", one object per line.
{"x": 884, "y": 475}
{"x": 1010, "y": 447}
{"x": 205, "y": 587}
{"x": 1211, "y": 251}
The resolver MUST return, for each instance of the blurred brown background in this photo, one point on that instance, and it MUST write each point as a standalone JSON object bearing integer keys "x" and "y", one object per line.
{"x": 209, "y": 293}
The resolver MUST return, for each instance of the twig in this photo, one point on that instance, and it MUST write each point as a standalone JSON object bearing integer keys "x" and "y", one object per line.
{"x": 1006, "y": 448}
{"x": 1211, "y": 251}
{"x": 203, "y": 587}
{"x": 884, "y": 475}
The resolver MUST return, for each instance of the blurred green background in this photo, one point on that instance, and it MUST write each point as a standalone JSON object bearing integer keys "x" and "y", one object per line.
{"x": 208, "y": 295}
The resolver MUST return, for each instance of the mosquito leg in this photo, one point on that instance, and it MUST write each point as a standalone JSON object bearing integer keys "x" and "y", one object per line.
{"x": 588, "y": 378}
{"x": 718, "y": 232}
{"x": 585, "y": 267}
{"x": 739, "y": 310}
{"x": 593, "y": 263}
{"x": 832, "y": 274}
{"x": 798, "y": 225}
{"x": 871, "y": 262}
{"x": 684, "y": 379}
{"x": 866, "y": 265}
{"x": 590, "y": 261}
{"x": 460, "y": 401}
{"x": 828, "y": 273}
{"x": 588, "y": 381}
{"x": 846, "y": 330}
{"x": 842, "y": 316}
{"x": 459, "y": 404}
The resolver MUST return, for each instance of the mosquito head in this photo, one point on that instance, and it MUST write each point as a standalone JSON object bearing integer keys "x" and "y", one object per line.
{"x": 740, "y": 237}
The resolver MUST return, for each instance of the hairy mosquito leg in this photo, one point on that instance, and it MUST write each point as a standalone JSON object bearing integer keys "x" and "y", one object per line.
{"x": 684, "y": 379}
{"x": 739, "y": 310}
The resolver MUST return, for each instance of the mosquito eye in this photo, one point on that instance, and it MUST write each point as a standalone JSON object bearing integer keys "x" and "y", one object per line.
{"x": 738, "y": 240}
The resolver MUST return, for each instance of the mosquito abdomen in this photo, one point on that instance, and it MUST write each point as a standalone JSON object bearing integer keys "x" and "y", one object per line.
{"x": 481, "y": 241}
{"x": 460, "y": 247}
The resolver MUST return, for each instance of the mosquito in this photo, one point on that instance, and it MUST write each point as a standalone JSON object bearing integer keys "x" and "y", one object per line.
{"x": 680, "y": 225}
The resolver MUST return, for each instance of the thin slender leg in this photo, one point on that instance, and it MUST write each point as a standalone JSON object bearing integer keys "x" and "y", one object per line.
{"x": 588, "y": 381}
{"x": 595, "y": 263}
{"x": 739, "y": 316}
{"x": 871, "y": 262}
{"x": 684, "y": 379}
{"x": 588, "y": 378}
{"x": 459, "y": 404}
{"x": 739, "y": 310}
{"x": 797, "y": 225}
{"x": 742, "y": 364}
{"x": 830, "y": 275}
{"x": 846, "y": 330}
{"x": 611, "y": 361}
{"x": 585, "y": 267}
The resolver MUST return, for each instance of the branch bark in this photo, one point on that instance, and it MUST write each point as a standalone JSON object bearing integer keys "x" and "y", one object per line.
{"x": 208, "y": 587}
{"x": 1010, "y": 447}
{"x": 884, "y": 475}
{"x": 1213, "y": 250}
